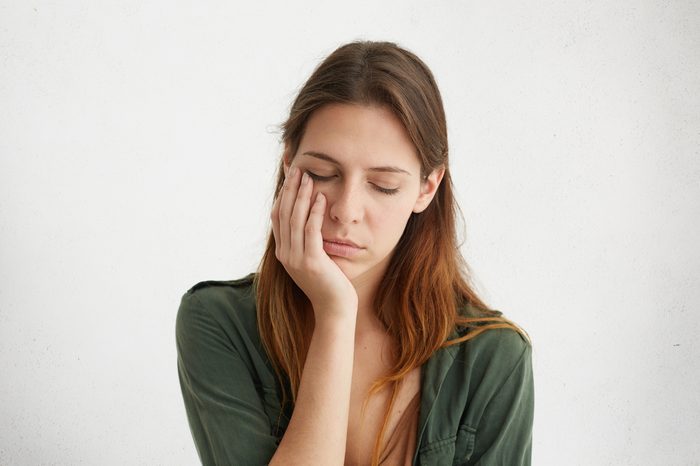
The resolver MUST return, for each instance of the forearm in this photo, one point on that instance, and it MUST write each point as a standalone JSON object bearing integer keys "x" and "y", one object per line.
{"x": 317, "y": 431}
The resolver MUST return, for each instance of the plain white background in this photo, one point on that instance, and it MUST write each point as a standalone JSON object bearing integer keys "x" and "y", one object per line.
{"x": 138, "y": 145}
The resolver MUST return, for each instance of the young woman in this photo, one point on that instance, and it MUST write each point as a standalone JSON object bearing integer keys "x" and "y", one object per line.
{"x": 359, "y": 340}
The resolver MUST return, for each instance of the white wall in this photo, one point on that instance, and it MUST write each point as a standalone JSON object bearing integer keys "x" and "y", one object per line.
{"x": 137, "y": 151}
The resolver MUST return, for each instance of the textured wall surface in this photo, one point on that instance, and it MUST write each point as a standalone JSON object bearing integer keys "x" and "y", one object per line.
{"x": 138, "y": 145}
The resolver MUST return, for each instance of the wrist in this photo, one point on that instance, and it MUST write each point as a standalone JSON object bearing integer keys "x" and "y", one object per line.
{"x": 335, "y": 316}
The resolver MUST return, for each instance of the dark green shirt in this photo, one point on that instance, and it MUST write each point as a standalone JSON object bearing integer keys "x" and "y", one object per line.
{"x": 477, "y": 397}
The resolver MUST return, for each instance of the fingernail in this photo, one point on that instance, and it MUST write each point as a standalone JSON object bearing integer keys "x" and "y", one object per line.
{"x": 305, "y": 178}
{"x": 292, "y": 171}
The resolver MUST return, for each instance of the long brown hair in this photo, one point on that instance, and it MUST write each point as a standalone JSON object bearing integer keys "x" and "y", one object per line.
{"x": 425, "y": 293}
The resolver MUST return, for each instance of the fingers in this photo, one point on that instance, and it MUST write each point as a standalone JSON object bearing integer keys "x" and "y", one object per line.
{"x": 286, "y": 203}
{"x": 274, "y": 216}
{"x": 296, "y": 223}
{"x": 312, "y": 232}
{"x": 300, "y": 214}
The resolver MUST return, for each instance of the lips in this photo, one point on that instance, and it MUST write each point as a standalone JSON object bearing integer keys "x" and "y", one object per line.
{"x": 341, "y": 248}
{"x": 342, "y": 241}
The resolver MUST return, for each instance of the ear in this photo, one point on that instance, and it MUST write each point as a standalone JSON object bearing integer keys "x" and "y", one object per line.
{"x": 428, "y": 189}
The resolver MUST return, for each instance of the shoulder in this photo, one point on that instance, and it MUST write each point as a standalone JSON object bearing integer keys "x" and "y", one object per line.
{"x": 494, "y": 365}
{"x": 504, "y": 346}
{"x": 493, "y": 358}
{"x": 225, "y": 305}
{"x": 497, "y": 352}
{"x": 498, "y": 343}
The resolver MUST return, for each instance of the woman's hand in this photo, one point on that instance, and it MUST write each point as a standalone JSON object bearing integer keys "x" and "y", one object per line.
{"x": 296, "y": 225}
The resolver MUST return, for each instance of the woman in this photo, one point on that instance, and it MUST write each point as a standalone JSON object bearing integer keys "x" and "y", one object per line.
{"x": 359, "y": 340}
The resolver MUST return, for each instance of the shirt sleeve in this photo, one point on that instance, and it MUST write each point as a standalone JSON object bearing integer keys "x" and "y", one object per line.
{"x": 504, "y": 435}
{"x": 225, "y": 413}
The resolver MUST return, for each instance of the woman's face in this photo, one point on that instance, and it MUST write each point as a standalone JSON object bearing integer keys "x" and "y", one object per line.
{"x": 363, "y": 160}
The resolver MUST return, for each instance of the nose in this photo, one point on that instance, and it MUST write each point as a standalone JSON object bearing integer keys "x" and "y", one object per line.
{"x": 345, "y": 205}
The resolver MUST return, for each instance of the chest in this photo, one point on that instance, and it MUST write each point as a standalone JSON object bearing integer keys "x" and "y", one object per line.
{"x": 371, "y": 362}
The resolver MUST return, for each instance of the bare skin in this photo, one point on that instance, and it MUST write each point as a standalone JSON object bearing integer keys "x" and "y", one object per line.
{"x": 368, "y": 367}
{"x": 342, "y": 361}
{"x": 340, "y": 368}
{"x": 317, "y": 431}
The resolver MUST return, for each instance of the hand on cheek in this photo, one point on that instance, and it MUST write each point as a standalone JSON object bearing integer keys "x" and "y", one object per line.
{"x": 297, "y": 217}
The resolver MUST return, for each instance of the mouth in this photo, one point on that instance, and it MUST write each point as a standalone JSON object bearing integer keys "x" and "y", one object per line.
{"x": 341, "y": 248}
{"x": 345, "y": 242}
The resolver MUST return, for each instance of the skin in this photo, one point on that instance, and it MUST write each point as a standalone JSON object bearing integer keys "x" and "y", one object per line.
{"x": 347, "y": 199}
{"x": 344, "y": 198}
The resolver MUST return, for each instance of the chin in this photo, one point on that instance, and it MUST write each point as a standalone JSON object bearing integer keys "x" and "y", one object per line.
{"x": 354, "y": 270}
{"x": 349, "y": 267}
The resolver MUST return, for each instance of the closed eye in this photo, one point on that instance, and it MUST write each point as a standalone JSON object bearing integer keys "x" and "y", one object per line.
{"x": 316, "y": 177}
{"x": 378, "y": 188}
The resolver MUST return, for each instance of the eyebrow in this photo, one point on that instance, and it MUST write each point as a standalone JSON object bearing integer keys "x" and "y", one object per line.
{"x": 328, "y": 158}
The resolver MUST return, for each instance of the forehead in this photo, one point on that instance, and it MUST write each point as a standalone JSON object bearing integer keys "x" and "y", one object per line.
{"x": 360, "y": 135}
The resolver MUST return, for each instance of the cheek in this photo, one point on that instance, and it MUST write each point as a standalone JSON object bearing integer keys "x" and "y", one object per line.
{"x": 389, "y": 223}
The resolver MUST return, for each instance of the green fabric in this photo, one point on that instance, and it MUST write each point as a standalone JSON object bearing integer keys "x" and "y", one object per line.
{"x": 477, "y": 400}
